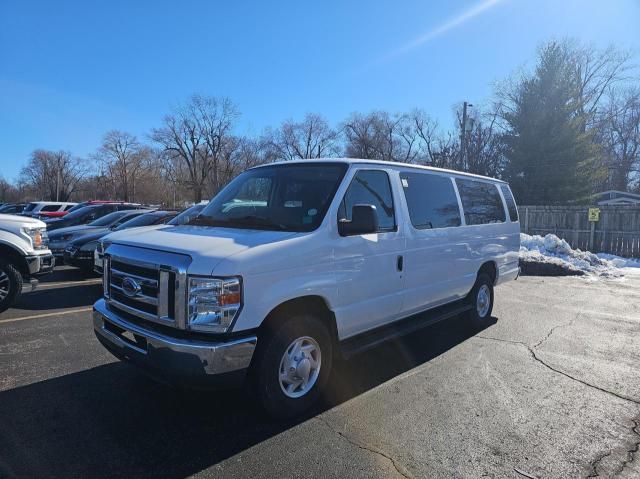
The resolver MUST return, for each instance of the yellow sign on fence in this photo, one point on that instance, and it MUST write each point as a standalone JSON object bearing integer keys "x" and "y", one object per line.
{"x": 594, "y": 214}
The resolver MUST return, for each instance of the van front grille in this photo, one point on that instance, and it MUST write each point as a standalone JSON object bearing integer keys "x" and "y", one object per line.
{"x": 146, "y": 284}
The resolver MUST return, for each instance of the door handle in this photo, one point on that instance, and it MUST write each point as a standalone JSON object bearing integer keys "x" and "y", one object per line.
{"x": 400, "y": 263}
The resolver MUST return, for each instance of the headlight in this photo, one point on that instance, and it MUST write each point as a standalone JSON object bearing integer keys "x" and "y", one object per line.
{"x": 90, "y": 246}
{"x": 38, "y": 237}
{"x": 213, "y": 303}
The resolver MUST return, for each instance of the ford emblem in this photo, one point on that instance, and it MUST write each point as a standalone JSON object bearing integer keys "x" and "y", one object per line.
{"x": 130, "y": 287}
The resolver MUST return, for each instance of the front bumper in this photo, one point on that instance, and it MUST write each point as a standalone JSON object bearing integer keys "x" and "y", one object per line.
{"x": 40, "y": 264}
{"x": 174, "y": 360}
{"x": 78, "y": 258}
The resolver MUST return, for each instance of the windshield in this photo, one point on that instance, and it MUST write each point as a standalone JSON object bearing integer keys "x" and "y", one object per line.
{"x": 109, "y": 219}
{"x": 187, "y": 215}
{"x": 142, "y": 220}
{"x": 281, "y": 197}
{"x": 30, "y": 207}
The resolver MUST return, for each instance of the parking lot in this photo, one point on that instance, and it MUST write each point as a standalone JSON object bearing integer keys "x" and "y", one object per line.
{"x": 549, "y": 390}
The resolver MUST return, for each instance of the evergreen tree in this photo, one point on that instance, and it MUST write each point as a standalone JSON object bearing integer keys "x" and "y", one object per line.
{"x": 551, "y": 159}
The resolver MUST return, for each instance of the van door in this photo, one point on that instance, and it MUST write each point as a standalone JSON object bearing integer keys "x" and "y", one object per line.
{"x": 435, "y": 257}
{"x": 369, "y": 267}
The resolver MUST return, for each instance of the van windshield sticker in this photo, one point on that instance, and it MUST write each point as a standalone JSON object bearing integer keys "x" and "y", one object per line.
{"x": 405, "y": 183}
{"x": 312, "y": 212}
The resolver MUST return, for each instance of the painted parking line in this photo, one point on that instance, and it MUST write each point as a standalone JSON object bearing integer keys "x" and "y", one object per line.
{"x": 47, "y": 315}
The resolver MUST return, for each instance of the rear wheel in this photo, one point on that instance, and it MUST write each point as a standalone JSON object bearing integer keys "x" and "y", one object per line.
{"x": 10, "y": 285}
{"x": 291, "y": 365}
{"x": 481, "y": 301}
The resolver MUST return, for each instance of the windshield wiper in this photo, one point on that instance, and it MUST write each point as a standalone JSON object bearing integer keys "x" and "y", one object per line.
{"x": 259, "y": 220}
{"x": 247, "y": 221}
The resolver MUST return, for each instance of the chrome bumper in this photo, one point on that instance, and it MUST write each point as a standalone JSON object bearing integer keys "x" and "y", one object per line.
{"x": 167, "y": 357}
{"x": 40, "y": 264}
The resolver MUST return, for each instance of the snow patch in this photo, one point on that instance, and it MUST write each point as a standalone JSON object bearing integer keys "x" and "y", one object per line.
{"x": 551, "y": 250}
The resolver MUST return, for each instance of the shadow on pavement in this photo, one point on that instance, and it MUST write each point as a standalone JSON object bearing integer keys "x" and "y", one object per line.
{"x": 74, "y": 296}
{"x": 112, "y": 421}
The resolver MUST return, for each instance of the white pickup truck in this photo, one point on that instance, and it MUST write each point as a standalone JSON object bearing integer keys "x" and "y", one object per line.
{"x": 24, "y": 255}
{"x": 294, "y": 264}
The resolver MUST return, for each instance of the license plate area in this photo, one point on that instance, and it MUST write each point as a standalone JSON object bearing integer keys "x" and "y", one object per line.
{"x": 134, "y": 340}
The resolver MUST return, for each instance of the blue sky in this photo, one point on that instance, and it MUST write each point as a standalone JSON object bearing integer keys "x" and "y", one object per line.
{"x": 71, "y": 70}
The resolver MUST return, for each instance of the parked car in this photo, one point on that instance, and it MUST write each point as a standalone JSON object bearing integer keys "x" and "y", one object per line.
{"x": 87, "y": 214}
{"x": 24, "y": 255}
{"x": 316, "y": 260}
{"x": 80, "y": 252}
{"x": 59, "y": 239}
{"x": 101, "y": 202}
{"x": 12, "y": 208}
{"x": 183, "y": 218}
{"x": 46, "y": 209}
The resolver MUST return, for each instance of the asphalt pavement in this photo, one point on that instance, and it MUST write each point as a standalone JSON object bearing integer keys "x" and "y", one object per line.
{"x": 549, "y": 390}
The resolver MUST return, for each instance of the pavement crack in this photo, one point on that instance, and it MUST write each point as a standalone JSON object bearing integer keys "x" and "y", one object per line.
{"x": 594, "y": 464}
{"x": 396, "y": 465}
{"x": 563, "y": 325}
{"x": 533, "y": 354}
{"x": 631, "y": 453}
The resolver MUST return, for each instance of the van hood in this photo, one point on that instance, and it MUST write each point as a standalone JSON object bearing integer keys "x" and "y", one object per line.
{"x": 206, "y": 245}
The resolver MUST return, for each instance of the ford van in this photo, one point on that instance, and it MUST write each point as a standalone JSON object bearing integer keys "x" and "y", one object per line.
{"x": 295, "y": 264}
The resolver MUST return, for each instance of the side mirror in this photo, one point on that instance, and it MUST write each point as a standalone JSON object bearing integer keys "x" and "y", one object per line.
{"x": 364, "y": 220}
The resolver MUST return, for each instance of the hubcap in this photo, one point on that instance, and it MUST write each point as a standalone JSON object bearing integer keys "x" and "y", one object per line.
{"x": 300, "y": 367}
{"x": 4, "y": 285}
{"x": 483, "y": 300}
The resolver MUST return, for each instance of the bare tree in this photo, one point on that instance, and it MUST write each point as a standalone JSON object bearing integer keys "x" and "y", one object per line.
{"x": 123, "y": 158}
{"x": 597, "y": 72}
{"x": 619, "y": 135}
{"x": 310, "y": 138}
{"x": 53, "y": 175}
{"x": 8, "y": 191}
{"x": 195, "y": 134}
{"x": 378, "y": 136}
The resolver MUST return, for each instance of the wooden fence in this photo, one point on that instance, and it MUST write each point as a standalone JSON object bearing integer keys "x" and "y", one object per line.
{"x": 617, "y": 231}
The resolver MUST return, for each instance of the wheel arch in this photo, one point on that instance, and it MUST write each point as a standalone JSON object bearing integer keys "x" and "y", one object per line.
{"x": 15, "y": 257}
{"x": 314, "y": 304}
{"x": 490, "y": 268}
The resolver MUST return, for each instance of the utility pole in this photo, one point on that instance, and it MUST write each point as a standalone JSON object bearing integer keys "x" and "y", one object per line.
{"x": 58, "y": 180}
{"x": 463, "y": 134}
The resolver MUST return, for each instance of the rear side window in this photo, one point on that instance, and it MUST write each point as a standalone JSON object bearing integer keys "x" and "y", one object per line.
{"x": 370, "y": 187}
{"x": 511, "y": 203}
{"x": 481, "y": 202}
{"x": 50, "y": 208}
{"x": 431, "y": 200}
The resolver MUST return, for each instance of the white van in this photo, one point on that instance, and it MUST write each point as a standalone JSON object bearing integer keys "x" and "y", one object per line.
{"x": 294, "y": 264}
{"x": 47, "y": 209}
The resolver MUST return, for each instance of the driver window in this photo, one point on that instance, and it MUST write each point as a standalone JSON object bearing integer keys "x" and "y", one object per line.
{"x": 370, "y": 187}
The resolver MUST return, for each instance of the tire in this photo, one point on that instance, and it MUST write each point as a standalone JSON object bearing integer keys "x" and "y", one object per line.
{"x": 272, "y": 361}
{"x": 481, "y": 301}
{"x": 10, "y": 285}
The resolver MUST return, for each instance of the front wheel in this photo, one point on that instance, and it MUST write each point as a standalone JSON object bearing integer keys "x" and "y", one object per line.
{"x": 292, "y": 365}
{"x": 481, "y": 301}
{"x": 10, "y": 285}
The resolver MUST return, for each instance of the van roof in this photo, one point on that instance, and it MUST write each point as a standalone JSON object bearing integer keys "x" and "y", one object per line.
{"x": 395, "y": 164}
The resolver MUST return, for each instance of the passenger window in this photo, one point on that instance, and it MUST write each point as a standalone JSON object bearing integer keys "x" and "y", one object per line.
{"x": 431, "y": 200}
{"x": 481, "y": 202}
{"x": 511, "y": 203}
{"x": 370, "y": 187}
{"x": 253, "y": 194}
{"x": 50, "y": 208}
